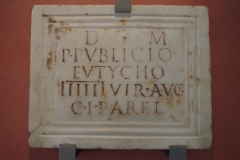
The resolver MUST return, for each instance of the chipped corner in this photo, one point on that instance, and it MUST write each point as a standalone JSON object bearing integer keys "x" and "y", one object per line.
{"x": 35, "y": 139}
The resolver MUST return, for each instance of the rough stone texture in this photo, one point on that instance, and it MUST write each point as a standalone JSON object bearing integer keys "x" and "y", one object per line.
{"x": 153, "y": 91}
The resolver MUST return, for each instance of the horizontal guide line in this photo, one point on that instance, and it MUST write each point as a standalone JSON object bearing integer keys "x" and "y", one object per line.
{"x": 83, "y": 81}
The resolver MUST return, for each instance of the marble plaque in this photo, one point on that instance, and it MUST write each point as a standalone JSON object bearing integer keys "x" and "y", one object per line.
{"x": 139, "y": 80}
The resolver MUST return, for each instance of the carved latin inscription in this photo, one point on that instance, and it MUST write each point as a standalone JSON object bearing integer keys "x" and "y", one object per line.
{"x": 106, "y": 71}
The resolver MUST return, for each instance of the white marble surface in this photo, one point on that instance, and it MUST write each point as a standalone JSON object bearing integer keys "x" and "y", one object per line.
{"x": 120, "y": 81}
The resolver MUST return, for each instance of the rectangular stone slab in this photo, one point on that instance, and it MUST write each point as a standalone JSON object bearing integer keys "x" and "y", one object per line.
{"x": 139, "y": 80}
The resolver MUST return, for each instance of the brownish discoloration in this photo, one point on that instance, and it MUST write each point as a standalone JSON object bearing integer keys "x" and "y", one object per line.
{"x": 151, "y": 81}
{"x": 68, "y": 29}
{"x": 50, "y": 26}
{"x": 61, "y": 32}
{"x": 105, "y": 97}
{"x": 58, "y": 82}
{"x": 124, "y": 38}
{"x": 122, "y": 115}
{"x": 178, "y": 101}
{"x": 62, "y": 23}
{"x": 191, "y": 77}
{"x": 50, "y": 20}
{"x": 190, "y": 53}
{"x": 182, "y": 112}
{"x": 173, "y": 117}
{"x": 109, "y": 118}
{"x": 192, "y": 22}
{"x": 55, "y": 53}
{"x": 168, "y": 101}
{"x": 51, "y": 110}
{"x": 49, "y": 61}
{"x": 192, "y": 105}
{"x": 186, "y": 122}
{"x": 121, "y": 30}
{"x": 55, "y": 58}
{"x": 86, "y": 14}
{"x": 57, "y": 34}
{"x": 105, "y": 93}
{"x": 123, "y": 22}
{"x": 198, "y": 81}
